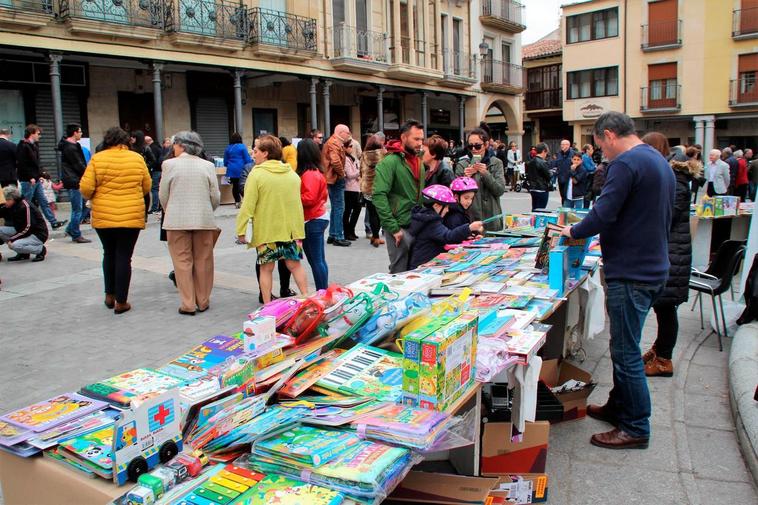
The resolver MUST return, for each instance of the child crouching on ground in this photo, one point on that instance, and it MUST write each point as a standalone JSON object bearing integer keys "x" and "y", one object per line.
{"x": 430, "y": 235}
{"x": 464, "y": 190}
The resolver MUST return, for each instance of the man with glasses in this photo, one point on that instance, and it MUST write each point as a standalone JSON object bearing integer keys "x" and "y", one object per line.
{"x": 317, "y": 136}
{"x": 29, "y": 169}
{"x": 398, "y": 183}
{"x": 73, "y": 165}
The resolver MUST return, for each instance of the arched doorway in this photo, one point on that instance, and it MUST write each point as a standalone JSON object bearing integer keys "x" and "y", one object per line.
{"x": 502, "y": 120}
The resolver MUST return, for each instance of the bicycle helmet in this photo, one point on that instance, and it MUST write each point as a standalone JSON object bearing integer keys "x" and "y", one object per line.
{"x": 463, "y": 185}
{"x": 439, "y": 194}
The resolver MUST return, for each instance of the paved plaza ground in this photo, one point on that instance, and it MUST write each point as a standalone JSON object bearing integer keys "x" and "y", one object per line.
{"x": 56, "y": 335}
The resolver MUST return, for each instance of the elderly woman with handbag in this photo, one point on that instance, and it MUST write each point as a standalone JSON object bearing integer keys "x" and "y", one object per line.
{"x": 189, "y": 194}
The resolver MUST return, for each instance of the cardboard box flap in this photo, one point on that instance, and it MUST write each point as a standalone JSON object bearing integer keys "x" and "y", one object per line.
{"x": 549, "y": 372}
{"x": 443, "y": 489}
{"x": 502, "y": 456}
{"x": 569, "y": 371}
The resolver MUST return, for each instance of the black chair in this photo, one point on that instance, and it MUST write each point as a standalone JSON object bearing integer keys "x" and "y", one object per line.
{"x": 717, "y": 279}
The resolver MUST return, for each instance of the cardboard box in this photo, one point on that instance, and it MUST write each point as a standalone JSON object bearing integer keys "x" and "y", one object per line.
{"x": 501, "y": 456}
{"x": 558, "y": 269}
{"x": 448, "y": 362}
{"x": 555, "y": 373}
{"x": 443, "y": 489}
{"x": 528, "y": 488}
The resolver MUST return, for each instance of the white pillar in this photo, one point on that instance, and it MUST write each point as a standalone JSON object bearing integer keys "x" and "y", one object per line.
{"x": 411, "y": 35}
{"x": 709, "y": 141}
{"x": 699, "y": 133}
{"x": 397, "y": 40}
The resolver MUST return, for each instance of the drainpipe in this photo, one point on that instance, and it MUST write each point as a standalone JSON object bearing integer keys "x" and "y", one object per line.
{"x": 626, "y": 36}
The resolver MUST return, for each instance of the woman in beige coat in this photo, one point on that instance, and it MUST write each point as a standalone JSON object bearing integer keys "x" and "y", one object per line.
{"x": 189, "y": 194}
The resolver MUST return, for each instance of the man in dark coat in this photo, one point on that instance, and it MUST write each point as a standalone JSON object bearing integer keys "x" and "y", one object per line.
{"x": 8, "y": 174}
{"x": 73, "y": 166}
{"x": 29, "y": 170}
{"x": 658, "y": 358}
{"x": 538, "y": 175}
{"x": 562, "y": 166}
{"x": 25, "y": 231}
{"x": 734, "y": 167}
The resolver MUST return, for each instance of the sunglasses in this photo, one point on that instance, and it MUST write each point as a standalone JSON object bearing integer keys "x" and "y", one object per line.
{"x": 475, "y": 146}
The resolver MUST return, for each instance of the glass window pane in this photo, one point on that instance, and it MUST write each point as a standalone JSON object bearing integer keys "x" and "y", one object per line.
{"x": 671, "y": 88}
{"x": 586, "y": 84}
{"x": 655, "y": 90}
{"x": 599, "y": 82}
{"x": 612, "y": 26}
{"x": 585, "y": 28}
{"x": 613, "y": 81}
{"x": 599, "y": 25}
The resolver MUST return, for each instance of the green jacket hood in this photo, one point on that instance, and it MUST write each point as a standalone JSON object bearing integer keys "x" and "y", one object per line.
{"x": 274, "y": 166}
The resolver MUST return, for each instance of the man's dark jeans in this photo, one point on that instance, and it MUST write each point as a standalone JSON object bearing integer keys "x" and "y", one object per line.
{"x": 628, "y": 304}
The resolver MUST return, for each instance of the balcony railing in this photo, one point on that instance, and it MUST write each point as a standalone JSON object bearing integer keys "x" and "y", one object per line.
{"x": 44, "y": 6}
{"x": 349, "y": 42}
{"x": 743, "y": 92}
{"x": 508, "y": 12}
{"x": 660, "y": 98}
{"x": 146, "y": 13}
{"x": 276, "y": 28}
{"x": 216, "y": 18}
{"x": 662, "y": 35}
{"x": 458, "y": 64}
{"x": 745, "y": 23}
{"x": 544, "y": 99}
{"x": 499, "y": 73}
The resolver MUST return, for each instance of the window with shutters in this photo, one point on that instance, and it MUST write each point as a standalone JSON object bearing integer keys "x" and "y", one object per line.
{"x": 747, "y": 90}
{"x": 592, "y": 26}
{"x": 662, "y": 29}
{"x": 745, "y": 20}
{"x": 593, "y": 83}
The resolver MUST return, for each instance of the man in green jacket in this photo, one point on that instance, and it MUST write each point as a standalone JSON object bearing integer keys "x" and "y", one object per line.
{"x": 398, "y": 183}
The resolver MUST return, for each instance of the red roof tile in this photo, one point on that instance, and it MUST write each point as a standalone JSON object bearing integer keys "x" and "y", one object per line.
{"x": 541, "y": 48}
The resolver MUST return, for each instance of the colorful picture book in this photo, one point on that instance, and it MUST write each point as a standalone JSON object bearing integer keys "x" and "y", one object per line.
{"x": 306, "y": 445}
{"x": 404, "y": 425}
{"x": 200, "y": 360}
{"x": 122, "y": 389}
{"x": 285, "y": 491}
{"x": 52, "y": 412}
{"x": 94, "y": 450}
{"x": 366, "y": 371}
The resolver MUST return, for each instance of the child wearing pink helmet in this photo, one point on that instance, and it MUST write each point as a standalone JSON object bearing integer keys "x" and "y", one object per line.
{"x": 464, "y": 189}
{"x": 430, "y": 234}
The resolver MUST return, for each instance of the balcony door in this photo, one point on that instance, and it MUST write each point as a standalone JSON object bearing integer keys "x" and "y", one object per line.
{"x": 457, "y": 38}
{"x": 663, "y": 24}
{"x": 105, "y": 10}
{"x": 749, "y": 16}
{"x": 663, "y": 86}
{"x": 747, "y": 87}
{"x": 272, "y": 26}
{"x": 198, "y": 16}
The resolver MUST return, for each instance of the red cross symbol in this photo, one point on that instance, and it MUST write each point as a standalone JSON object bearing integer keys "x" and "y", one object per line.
{"x": 161, "y": 415}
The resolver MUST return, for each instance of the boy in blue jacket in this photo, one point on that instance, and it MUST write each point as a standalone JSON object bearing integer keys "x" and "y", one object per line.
{"x": 430, "y": 235}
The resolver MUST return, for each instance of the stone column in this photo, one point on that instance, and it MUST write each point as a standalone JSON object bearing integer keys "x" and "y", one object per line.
{"x": 314, "y": 104}
{"x": 397, "y": 53}
{"x": 380, "y": 108}
{"x": 424, "y": 111}
{"x": 238, "y": 122}
{"x": 438, "y": 25}
{"x": 709, "y": 140}
{"x": 158, "y": 102}
{"x": 327, "y": 118}
{"x": 699, "y": 130}
{"x": 55, "y": 88}
{"x": 427, "y": 39}
{"x": 412, "y": 56}
{"x": 461, "y": 117}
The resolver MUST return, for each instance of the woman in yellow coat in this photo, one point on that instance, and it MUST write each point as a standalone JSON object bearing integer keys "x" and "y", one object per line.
{"x": 116, "y": 181}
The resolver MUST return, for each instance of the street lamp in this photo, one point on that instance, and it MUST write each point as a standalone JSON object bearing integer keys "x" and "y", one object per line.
{"x": 483, "y": 49}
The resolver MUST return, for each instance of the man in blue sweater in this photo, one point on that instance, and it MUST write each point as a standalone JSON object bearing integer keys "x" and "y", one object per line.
{"x": 633, "y": 217}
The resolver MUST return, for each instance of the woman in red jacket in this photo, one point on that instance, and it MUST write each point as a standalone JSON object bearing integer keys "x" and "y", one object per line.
{"x": 741, "y": 182}
{"x": 313, "y": 195}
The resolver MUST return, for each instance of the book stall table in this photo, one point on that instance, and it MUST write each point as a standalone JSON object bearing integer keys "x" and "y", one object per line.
{"x": 715, "y": 220}
{"x": 312, "y": 396}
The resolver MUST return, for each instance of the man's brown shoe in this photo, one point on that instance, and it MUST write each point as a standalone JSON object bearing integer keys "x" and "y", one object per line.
{"x": 122, "y": 307}
{"x": 649, "y": 355}
{"x": 602, "y": 413}
{"x": 110, "y": 301}
{"x": 659, "y": 367}
{"x": 618, "y": 439}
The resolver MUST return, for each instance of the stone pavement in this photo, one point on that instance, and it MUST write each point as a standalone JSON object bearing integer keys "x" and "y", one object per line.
{"x": 56, "y": 335}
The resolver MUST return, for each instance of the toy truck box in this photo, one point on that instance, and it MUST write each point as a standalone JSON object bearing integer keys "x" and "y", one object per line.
{"x": 448, "y": 362}
{"x": 145, "y": 435}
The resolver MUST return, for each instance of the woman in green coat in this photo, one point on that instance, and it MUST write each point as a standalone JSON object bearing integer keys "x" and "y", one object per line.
{"x": 481, "y": 164}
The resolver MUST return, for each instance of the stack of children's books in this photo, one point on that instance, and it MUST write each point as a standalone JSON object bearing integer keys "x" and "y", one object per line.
{"x": 412, "y": 427}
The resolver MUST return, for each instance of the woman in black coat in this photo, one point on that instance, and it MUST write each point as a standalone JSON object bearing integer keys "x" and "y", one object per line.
{"x": 658, "y": 359}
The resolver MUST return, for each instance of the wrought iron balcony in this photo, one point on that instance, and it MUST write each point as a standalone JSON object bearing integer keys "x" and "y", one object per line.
{"x": 415, "y": 56}
{"x": 459, "y": 69}
{"x": 283, "y": 31}
{"x": 745, "y": 23}
{"x": 544, "y": 99}
{"x": 359, "y": 51}
{"x": 505, "y": 15}
{"x": 145, "y": 13}
{"x": 503, "y": 77}
{"x": 662, "y": 35}
{"x": 209, "y": 18}
{"x": 743, "y": 92}
{"x": 661, "y": 98}
{"x": 26, "y": 13}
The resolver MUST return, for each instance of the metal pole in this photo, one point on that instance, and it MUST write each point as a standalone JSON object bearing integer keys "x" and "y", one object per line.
{"x": 327, "y": 118}
{"x": 55, "y": 88}
{"x": 461, "y": 115}
{"x": 424, "y": 112}
{"x": 238, "y": 123}
{"x": 314, "y": 104}
{"x": 380, "y": 108}
{"x": 158, "y": 102}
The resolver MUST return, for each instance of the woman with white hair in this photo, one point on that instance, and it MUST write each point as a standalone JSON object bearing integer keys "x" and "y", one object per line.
{"x": 189, "y": 194}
